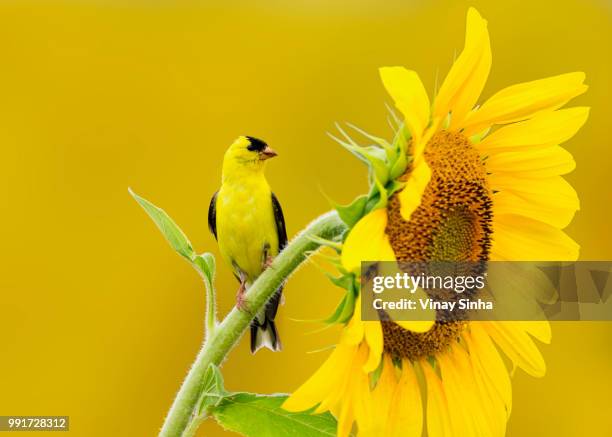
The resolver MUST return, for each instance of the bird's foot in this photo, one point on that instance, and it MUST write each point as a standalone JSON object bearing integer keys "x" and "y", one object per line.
{"x": 241, "y": 302}
{"x": 268, "y": 261}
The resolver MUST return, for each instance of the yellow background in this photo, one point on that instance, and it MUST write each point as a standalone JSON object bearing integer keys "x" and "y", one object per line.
{"x": 99, "y": 319}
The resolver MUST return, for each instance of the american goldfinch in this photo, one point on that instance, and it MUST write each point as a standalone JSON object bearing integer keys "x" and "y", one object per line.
{"x": 247, "y": 220}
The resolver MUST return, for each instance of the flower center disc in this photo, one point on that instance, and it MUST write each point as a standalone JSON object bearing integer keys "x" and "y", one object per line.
{"x": 452, "y": 223}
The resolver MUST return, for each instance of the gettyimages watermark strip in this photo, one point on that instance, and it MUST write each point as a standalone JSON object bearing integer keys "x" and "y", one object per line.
{"x": 487, "y": 291}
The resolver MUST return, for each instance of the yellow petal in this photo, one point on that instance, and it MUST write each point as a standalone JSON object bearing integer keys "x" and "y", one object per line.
{"x": 341, "y": 398}
{"x": 543, "y": 130}
{"x": 525, "y": 281}
{"x": 406, "y": 410}
{"x": 438, "y": 423}
{"x": 518, "y": 238}
{"x": 362, "y": 397}
{"x": 367, "y": 241}
{"x": 374, "y": 339}
{"x": 410, "y": 196}
{"x": 415, "y": 326}
{"x": 353, "y": 334}
{"x": 486, "y": 358}
{"x": 385, "y": 386}
{"x": 518, "y": 346}
{"x": 492, "y": 418}
{"x": 324, "y": 381}
{"x": 410, "y": 97}
{"x": 525, "y": 100}
{"x": 494, "y": 411}
{"x": 539, "y": 329}
{"x": 346, "y": 417}
{"x": 550, "y": 200}
{"x": 539, "y": 163}
{"x": 380, "y": 398}
{"x": 423, "y": 319}
{"x": 460, "y": 394}
{"x": 468, "y": 75}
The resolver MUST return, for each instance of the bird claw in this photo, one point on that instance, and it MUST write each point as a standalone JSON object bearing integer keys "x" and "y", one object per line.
{"x": 268, "y": 261}
{"x": 241, "y": 302}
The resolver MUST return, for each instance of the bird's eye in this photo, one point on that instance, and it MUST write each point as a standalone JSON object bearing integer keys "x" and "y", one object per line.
{"x": 256, "y": 145}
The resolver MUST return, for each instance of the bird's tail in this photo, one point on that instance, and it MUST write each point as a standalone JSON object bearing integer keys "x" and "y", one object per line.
{"x": 264, "y": 335}
{"x": 263, "y": 329}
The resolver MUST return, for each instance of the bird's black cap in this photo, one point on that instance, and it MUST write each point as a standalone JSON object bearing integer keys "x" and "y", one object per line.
{"x": 256, "y": 145}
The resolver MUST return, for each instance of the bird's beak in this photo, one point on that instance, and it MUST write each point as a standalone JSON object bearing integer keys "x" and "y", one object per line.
{"x": 267, "y": 153}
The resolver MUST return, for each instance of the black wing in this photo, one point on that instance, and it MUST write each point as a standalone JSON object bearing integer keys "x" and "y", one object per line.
{"x": 281, "y": 231}
{"x": 212, "y": 215}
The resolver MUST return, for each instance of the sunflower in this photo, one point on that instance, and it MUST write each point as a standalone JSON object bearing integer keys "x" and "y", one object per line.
{"x": 459, "y": 182}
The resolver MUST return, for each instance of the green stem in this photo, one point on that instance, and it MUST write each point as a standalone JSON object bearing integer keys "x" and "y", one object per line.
{"x": 228, "y": 332}
{"x": 211, "y": 308}
{"x": 193, "y": 426}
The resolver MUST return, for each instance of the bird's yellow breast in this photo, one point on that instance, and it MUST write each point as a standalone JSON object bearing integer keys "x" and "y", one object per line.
{"x": 245, "y": 224}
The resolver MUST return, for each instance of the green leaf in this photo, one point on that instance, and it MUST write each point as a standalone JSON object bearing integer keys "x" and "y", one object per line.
{"x": 350, "y": 214}
{"x": 177, "y": 239}
{"x": 206, "y": 265}
{"x": 262, "y": 416}
{"x": 213, "y": 390}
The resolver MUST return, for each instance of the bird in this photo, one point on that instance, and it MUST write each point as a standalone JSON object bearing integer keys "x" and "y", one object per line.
{"x": 247, "y": 221}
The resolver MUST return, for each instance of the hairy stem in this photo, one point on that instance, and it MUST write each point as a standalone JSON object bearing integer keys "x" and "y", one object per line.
{"x": 228, "y": 332}
{"x": 211, "y": 308}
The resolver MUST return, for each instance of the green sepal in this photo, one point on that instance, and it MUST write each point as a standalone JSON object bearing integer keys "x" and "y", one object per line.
{"x": 394, "y": 186}
{"x": 447, "y": 121}
{"x": 334, "y": 260}
{"x": 375, "y": 375}
{"x": 400, "y": 143}
{"x": 373, "y": 156}
{"x": 432, "y": 361}
{"x": 376, "y": 159}
{"x": 388, "y": 148}
{"x": 326, "y": 243}
{"x": 377, "y": 198}
{"x": 349, "y": 306}
{"x": 372, "y": 202}
{"x": 335, "y": 316}
{"x": 397, "y": 362}
{"x": 477, "y": 138}
{"x": 174, "y": 235}
{"x": 345, "y": 281}
{"x": 346, "y": 307}
{"x": 351, "y": 213}
{"x": 401, "y": 139}
{"x": 399, "y": 166}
